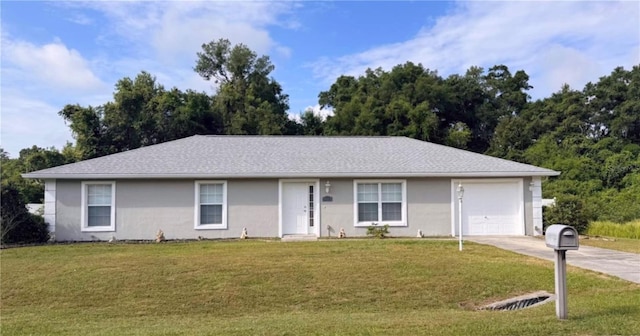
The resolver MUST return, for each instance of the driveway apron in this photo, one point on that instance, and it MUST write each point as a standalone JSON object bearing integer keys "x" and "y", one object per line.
{"x": 620, "y": 264}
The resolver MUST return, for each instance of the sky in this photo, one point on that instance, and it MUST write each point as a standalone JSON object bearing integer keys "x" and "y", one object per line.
{"x": 58, "y": 53}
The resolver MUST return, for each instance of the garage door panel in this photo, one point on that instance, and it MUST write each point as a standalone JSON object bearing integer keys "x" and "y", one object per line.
{"x": 493, "y": 227}
{"x": 476, "y": 225}
{"x": 492, "y": 208}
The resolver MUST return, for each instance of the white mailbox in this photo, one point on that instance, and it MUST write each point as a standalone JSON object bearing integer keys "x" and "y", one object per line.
{"x": 561, "y": 237}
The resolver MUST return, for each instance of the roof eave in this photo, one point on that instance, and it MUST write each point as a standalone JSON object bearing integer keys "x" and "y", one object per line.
{"x": 287, "y": 175}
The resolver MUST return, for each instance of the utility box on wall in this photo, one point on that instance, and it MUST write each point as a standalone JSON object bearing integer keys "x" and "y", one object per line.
{"x": 561, "y": 237}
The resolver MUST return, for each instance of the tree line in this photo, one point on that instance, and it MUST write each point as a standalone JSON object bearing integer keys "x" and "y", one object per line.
{"x": 592, "y": 135}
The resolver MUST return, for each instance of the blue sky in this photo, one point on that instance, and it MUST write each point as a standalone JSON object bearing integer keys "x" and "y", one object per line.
{"x": 57, "y": 53}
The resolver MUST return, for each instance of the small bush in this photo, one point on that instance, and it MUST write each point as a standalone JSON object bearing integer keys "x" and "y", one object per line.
{"x": 18, "y": 226}
{"x": 32, "y": 230}
{"x": 378, "y": 231}
{"x": 611, "y": 229}
{"x": 568, "y": 210}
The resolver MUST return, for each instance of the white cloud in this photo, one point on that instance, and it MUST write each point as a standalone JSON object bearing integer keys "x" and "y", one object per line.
{"x": 284, "y": 51}
{"x": 163, "y": 37}
{"x": 194, "y": 82}
{"x": 323, "y": 113}
{"x": 52, "y": 66}
{"x": 176, "y": 30}
{"x": 554, "y": 42}
{"x": 294, "y": 116}
{"x": 160, "y": 37}
{"x": 320, "y": 111}
{"x": 80, "y": 19}
{"x": 567, "y": 65}
{"x": 36, "y": 82}
{"x": 27, "y": 121}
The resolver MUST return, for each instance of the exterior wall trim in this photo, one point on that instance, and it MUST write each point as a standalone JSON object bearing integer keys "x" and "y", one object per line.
{"x": 36, "y": 175}
{"x": 536, "y": 201}
{"x": 50, "y": 205}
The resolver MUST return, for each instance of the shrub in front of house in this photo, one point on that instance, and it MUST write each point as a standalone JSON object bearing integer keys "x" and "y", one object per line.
{"x": 18, "y": 226}
{"x": 568, "y": 210}
{"x": 377, "y": 231}
{"x": 33, "y": 230}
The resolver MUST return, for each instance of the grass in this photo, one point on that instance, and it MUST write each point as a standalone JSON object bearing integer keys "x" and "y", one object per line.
{"x": 357, "y": 287}
{"x": 629, "y": 230}
{"x": 619, "y": 244}
{"x": 622, "y": 237}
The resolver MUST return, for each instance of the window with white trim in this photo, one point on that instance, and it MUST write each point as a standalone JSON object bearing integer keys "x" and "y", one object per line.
{"x": 380, "y": 202}
{"x": 98, "y": 206}
{"x": 211, "y": 205}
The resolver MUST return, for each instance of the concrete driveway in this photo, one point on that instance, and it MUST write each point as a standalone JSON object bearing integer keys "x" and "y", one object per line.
{"x": 621, "y": 264}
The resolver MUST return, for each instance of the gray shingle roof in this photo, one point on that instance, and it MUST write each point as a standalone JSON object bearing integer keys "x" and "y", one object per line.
{"x": 202, "y": 156}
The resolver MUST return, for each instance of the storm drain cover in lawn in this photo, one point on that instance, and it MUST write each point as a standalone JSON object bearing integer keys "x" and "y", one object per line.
{"x": 521, "y": 302}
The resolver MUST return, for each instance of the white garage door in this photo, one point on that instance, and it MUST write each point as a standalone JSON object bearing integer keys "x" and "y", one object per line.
{"x": 492, "y": 208}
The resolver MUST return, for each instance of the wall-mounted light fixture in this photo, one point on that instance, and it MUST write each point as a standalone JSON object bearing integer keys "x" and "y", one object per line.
{"x": 460, "y": 191}
{"x": 531, "y": 185}
{"x": 327, "y": 187}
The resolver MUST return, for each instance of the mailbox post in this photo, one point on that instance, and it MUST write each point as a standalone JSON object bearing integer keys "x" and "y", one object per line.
{"x": 561, "y": 238}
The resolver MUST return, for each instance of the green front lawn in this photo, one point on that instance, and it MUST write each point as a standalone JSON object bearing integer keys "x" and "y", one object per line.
{"x": 358, "y": 287}
{"x": 620, "y": 244}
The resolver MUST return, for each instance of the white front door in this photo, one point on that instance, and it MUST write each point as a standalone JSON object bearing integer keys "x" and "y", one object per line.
{"x": 297, "y": 207}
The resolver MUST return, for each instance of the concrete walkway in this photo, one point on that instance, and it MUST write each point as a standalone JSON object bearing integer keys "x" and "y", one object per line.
{"x": 299, "y": 237}
{"x": 621, "y": 264}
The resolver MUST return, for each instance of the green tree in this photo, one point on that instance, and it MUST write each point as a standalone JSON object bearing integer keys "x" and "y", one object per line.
{"x": 413, "y": 101}
{"x": 88, "y": 128}
{"x": 142, "y": 113}
{"x": 614, "y": 102}
{"x": 511, "y": 137}
{"x": 458, "y": 136}
{"x": 423, "y": 123}
{"x": 129, "y": 118}
{"x": 30, "y": 159}
{"x": 178, "y": 114}
{"x": 36, "y": 158}
{"x": 312, "y": 124}
{"x": 617, "y": 167}
{"x": 249, "y": 101}
{"x": 588, "y": 136}
{"x": 345, "y": 97}
{"x": 4, "y": 155}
